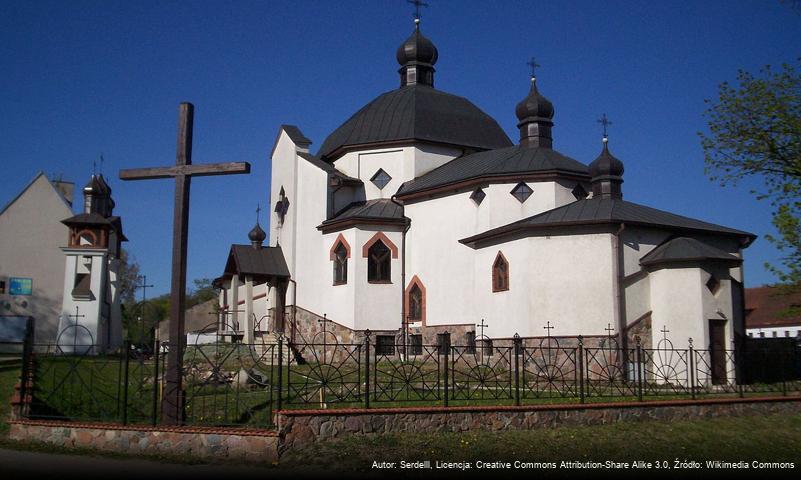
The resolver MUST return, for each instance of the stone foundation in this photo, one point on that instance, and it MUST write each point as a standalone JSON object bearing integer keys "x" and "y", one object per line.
{"x": 299, "y": 428}
{"x": 229, "y": 444}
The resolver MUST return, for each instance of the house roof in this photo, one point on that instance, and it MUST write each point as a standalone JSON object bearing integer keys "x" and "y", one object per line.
{"x": 683, "y": 249}
{"x": 265, "y": 263}
{"x": 766, "y": 306}
{"x": 33, "y": 180}
{"x": 417, "y": 112}
{"x": 515, "y": 160}
{"x": 381, "y": 210}
{"x": 595, "y": 211}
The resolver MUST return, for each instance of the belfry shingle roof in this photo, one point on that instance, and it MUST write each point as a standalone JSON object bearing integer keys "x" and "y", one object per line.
{"x": 380, "y": 209}
{"x": 682, "y": 249}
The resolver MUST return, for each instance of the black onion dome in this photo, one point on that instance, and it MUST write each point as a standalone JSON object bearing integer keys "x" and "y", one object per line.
{"x": 606, "y": 165}
{"x": 417, "y": 49}
{"x": 534, "y": 105}
{"x": 257, "y": 234}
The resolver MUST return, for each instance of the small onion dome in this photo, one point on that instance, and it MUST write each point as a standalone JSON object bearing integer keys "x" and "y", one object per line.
{"x": 417, "y": 49}
{"x": 534, "y": 105}
{"x": 607, "y": 174}
{"x": 257, "y": 235}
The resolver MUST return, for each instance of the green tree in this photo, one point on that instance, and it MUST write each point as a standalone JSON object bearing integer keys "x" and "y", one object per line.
{"x": 755, "y": 131}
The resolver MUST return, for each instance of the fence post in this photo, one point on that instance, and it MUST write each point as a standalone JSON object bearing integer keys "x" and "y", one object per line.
{"x": 367, "y": 368}
{"x": 783, "y": 362}
{"x": 280, "y": 371}
{"x": 446, "y": 346}
{"x": 691, "y": 352}
{"x": 639, "y": 368}
{"x": 26, "y": 375}
{"x": 517, "y": 342}
{"x": 156, "y": 354}
{"x": 581, "y": 367}
{"x": 127, "y": 353}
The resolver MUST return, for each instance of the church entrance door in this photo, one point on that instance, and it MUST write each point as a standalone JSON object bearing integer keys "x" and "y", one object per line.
{"x": 717, "y": 351}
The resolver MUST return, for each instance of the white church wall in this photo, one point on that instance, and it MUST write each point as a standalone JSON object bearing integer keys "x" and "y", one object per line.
{"x": 717, "y": 305}
{"x": 434, "y": 254}
{"x": 505, "y": 208}
{"x": 377, "y": 305}
{"x": 677, "y": 304}
{"x": 92, "y": 326}
{"x": 638, "y": 298}
{"x": 637, "y": 243}
{"x": 284, "y": 168}
{"x": 428, "y": 157}
{"x": 576, "y": 269}
{"x": 318, "y": 293}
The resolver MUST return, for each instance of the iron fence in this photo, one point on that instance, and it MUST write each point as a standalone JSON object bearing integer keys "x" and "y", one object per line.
{"x": 244, "y": 384}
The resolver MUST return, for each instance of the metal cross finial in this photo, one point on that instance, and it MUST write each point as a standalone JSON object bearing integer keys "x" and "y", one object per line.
{"x": 548, "y": 328}
{"x": 609, "y": 330}
{"x": 605, "y": 122}
{"x": 417, "y": 4}
{"x": 258, "y": 209}
{"x": 664, "y": 331}
{"x": 101, "y": 163}
{"x": 482, "y": 325}
{"x": 534, "y": 65}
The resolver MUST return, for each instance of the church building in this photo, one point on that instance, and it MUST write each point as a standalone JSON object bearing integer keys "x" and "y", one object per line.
{"x": 419, "y": 215}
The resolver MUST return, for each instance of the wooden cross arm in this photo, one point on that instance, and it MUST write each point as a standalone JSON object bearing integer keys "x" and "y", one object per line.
{"x": 230, "y": 168}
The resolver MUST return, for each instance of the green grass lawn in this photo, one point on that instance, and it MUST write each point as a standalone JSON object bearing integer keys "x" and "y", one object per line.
{"x": 764, "y": 438}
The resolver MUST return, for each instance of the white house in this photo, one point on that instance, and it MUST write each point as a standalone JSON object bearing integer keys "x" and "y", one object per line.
{"x": 419, "y": 211}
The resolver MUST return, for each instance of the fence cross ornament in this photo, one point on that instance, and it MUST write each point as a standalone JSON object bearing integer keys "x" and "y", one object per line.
{"x": 664, "y": 331}
{"x": 482, "y": 325}
{"x": 548, "y": 329}
{"x": 182, "y": 172}
{"x": 609, "y": 329}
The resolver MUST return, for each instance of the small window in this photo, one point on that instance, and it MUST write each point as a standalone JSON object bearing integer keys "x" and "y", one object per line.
{"x": 381, "y": 178}
{"x": 443, "y": 343}
{"x": 713, "y": 284}
{"x": 787, "y": 333}
{"x": 378, "y": 263}
{"x": 385, "y": 345}
{"x": 416, "y": 344}
{"x": 579, "y": 192}
{"x": 500, "y": 274}
{"x": 521, "y": 192}
{"x": 478, "y": 196}
{"x": 470, "y": 340}
{"x": 775, "y": 334}
{"x": 415, "y": 304}
{"x": 761, "y": 334}
{"x": 751, "y": 334}
{"x": 2, "y": 286}
{"x": 798, "y": 334}
{"x": 340, "y": 264}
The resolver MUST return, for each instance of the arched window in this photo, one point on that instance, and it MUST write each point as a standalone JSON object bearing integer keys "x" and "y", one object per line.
{"x": 379, "y": 259}
{"x": 340, "y": 264}
{"x": 500, "y": 274}
{"x": 415, "y": 303}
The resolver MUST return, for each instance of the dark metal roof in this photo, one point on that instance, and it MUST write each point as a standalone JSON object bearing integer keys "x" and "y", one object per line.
{"x": 512, "y": 160}
{"x": 417, "y": 112}
{"x": 608, "y": 210}
{"x": 381, "y": 210}
{"x": 260, "y": 263}
{"x": 296, "y": 135}
{"x": 328, "y": 168}
{"x": 682, "y": 249}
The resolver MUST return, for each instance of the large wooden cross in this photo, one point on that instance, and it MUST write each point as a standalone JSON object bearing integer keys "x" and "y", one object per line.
{"x": 183, "y": 171}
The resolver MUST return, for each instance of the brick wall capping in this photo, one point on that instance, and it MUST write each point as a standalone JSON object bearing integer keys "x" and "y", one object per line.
{"x": 245, "y": 432}
{"x": 535, "y": 408}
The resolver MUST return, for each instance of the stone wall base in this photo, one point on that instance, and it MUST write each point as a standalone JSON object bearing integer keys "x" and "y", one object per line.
{"x": 299, "y": 428}
{"x": 226, "y": 444}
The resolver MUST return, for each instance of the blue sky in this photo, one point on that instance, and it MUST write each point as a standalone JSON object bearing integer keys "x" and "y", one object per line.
{"x": 82, "y": 78}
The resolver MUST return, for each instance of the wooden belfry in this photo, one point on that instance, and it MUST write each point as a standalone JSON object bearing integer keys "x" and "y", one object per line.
{"x": 183, "y": 171}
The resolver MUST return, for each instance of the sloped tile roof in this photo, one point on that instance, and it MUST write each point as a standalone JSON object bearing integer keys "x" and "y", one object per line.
{"x": 767, "y": 306}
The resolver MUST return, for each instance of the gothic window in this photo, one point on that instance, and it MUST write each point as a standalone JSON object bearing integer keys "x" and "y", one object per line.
{"x": 478, "y": 196}
{"x": 579, "y": 192}
{"x": 340, "y": 264}
{"x": 415, "y": 303}
{"x": 381, "y": 178}
{"x": 500, "y": 274}
{"x": 521, "y": 192}
{"x": 378, "y": 263}
{"x": 282, "y": 206}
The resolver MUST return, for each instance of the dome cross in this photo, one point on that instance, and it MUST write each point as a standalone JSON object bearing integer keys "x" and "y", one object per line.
{"x": 534, "y": 66}
{"x": 605, "y": 122}
{"x": 417, "y": 4}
